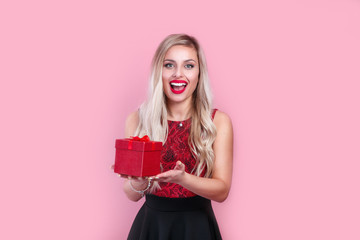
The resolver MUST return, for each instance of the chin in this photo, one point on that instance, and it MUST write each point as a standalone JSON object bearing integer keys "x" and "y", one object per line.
{"x": 176, "y": 99}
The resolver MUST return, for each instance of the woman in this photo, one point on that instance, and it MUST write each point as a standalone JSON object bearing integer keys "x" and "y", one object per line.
{"x": 197, "y": 151}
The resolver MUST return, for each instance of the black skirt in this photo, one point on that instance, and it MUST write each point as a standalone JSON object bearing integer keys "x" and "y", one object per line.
{"x": 162, "y": 218}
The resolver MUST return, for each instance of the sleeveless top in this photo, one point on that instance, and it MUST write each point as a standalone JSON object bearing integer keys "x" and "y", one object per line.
{"x": 176, "y": 148}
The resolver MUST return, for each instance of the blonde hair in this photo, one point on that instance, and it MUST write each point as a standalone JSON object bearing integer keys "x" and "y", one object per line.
{"x": 153, "y": 112}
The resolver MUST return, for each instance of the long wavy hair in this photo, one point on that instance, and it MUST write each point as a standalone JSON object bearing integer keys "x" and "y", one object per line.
{"x": 153, "y": 112}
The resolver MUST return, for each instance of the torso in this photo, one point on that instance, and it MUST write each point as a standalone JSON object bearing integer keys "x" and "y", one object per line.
{"x": 176, "y": 148}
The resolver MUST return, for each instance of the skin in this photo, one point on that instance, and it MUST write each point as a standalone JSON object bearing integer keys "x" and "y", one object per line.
{"x": 177, "y": 66}
{"x": 181, "y": 63}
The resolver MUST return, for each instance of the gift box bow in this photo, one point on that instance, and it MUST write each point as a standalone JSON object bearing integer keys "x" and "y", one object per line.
{"x": 143, "y": 139}
{"x": 137, "y": 139}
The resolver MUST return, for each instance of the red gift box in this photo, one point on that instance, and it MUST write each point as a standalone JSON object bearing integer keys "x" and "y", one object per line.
{"x": 137, "y": 156}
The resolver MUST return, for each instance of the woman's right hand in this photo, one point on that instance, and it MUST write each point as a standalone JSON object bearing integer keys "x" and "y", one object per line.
{"x": 135, "y": 187}
{"x": 139, "y": 183}
{"x": 136, "y": 181}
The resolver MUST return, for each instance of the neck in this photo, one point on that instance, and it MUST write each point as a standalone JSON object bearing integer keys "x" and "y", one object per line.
{"x": 179, "y": 111}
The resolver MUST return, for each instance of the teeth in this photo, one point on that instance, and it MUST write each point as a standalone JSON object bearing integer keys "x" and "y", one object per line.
{"x": 178, "y": 84}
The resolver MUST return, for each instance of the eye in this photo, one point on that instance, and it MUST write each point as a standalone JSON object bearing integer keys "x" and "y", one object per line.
{"x": 189, "y": 66}
{"x": 168, "y": 65}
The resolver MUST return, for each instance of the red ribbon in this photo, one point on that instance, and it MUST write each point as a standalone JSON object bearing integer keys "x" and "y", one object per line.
{"x": 143, "y": 139}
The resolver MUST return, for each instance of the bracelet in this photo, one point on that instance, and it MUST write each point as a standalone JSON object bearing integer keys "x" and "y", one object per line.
{"x": 141, "y": 192}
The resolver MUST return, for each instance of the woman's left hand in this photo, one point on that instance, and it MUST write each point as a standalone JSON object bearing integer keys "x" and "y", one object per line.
{"x": 173, "y": 176}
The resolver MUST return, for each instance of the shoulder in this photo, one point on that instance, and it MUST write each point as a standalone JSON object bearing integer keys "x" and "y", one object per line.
{"x": 221, "y": 119}
{"x": 223, "y": 124}
{"x": 131, "y": 123}
{"x": 132, "y": 117}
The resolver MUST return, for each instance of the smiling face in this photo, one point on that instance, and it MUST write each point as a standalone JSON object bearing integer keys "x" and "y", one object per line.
{"x": 180, "y": 73}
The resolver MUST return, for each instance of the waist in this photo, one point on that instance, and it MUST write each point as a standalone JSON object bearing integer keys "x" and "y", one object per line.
{"x": 177, "y": 204}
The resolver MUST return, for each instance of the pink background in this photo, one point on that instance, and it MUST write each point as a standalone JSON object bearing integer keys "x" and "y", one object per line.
{"x": 286, "y": 71}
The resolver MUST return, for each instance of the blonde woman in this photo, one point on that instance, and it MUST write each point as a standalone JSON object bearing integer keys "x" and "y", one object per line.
{"x": 197, "y": 147}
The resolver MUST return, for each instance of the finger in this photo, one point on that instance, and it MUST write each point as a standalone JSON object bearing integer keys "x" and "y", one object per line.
{"x": 164, "y": 174}
{"x": 123, "y": 175}
{"x": 162, "y": 179}
{"x": 159, "y": 176}
{"x": 153, "y": 178}
{"x": 179, "y": 166}
{"x": 182, "y": 167}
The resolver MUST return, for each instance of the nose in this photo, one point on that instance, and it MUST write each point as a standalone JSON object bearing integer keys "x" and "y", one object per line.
{"x": 177, "y": 72}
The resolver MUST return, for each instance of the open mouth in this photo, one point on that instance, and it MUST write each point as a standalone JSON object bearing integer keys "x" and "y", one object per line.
{"x": 178, "y": 86}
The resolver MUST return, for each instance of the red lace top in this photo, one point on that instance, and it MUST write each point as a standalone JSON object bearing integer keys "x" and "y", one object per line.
{"x": 176, "y": 148}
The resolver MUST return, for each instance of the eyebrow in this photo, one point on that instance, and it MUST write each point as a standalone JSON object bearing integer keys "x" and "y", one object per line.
{"x": 188, "y": 60}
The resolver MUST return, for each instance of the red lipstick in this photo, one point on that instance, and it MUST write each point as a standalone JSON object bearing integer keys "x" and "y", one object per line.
{"x": 178, "y": 86}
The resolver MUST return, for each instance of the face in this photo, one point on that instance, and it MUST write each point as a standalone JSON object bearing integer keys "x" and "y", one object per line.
{"x": 180, "y": 73}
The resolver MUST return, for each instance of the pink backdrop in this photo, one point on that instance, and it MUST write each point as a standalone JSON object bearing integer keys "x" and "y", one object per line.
{"x": 286, "y": 71}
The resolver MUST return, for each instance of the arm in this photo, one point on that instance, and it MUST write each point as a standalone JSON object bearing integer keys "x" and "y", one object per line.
{"x": 215, "y": 188}
{"x": 131, "y": 124}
